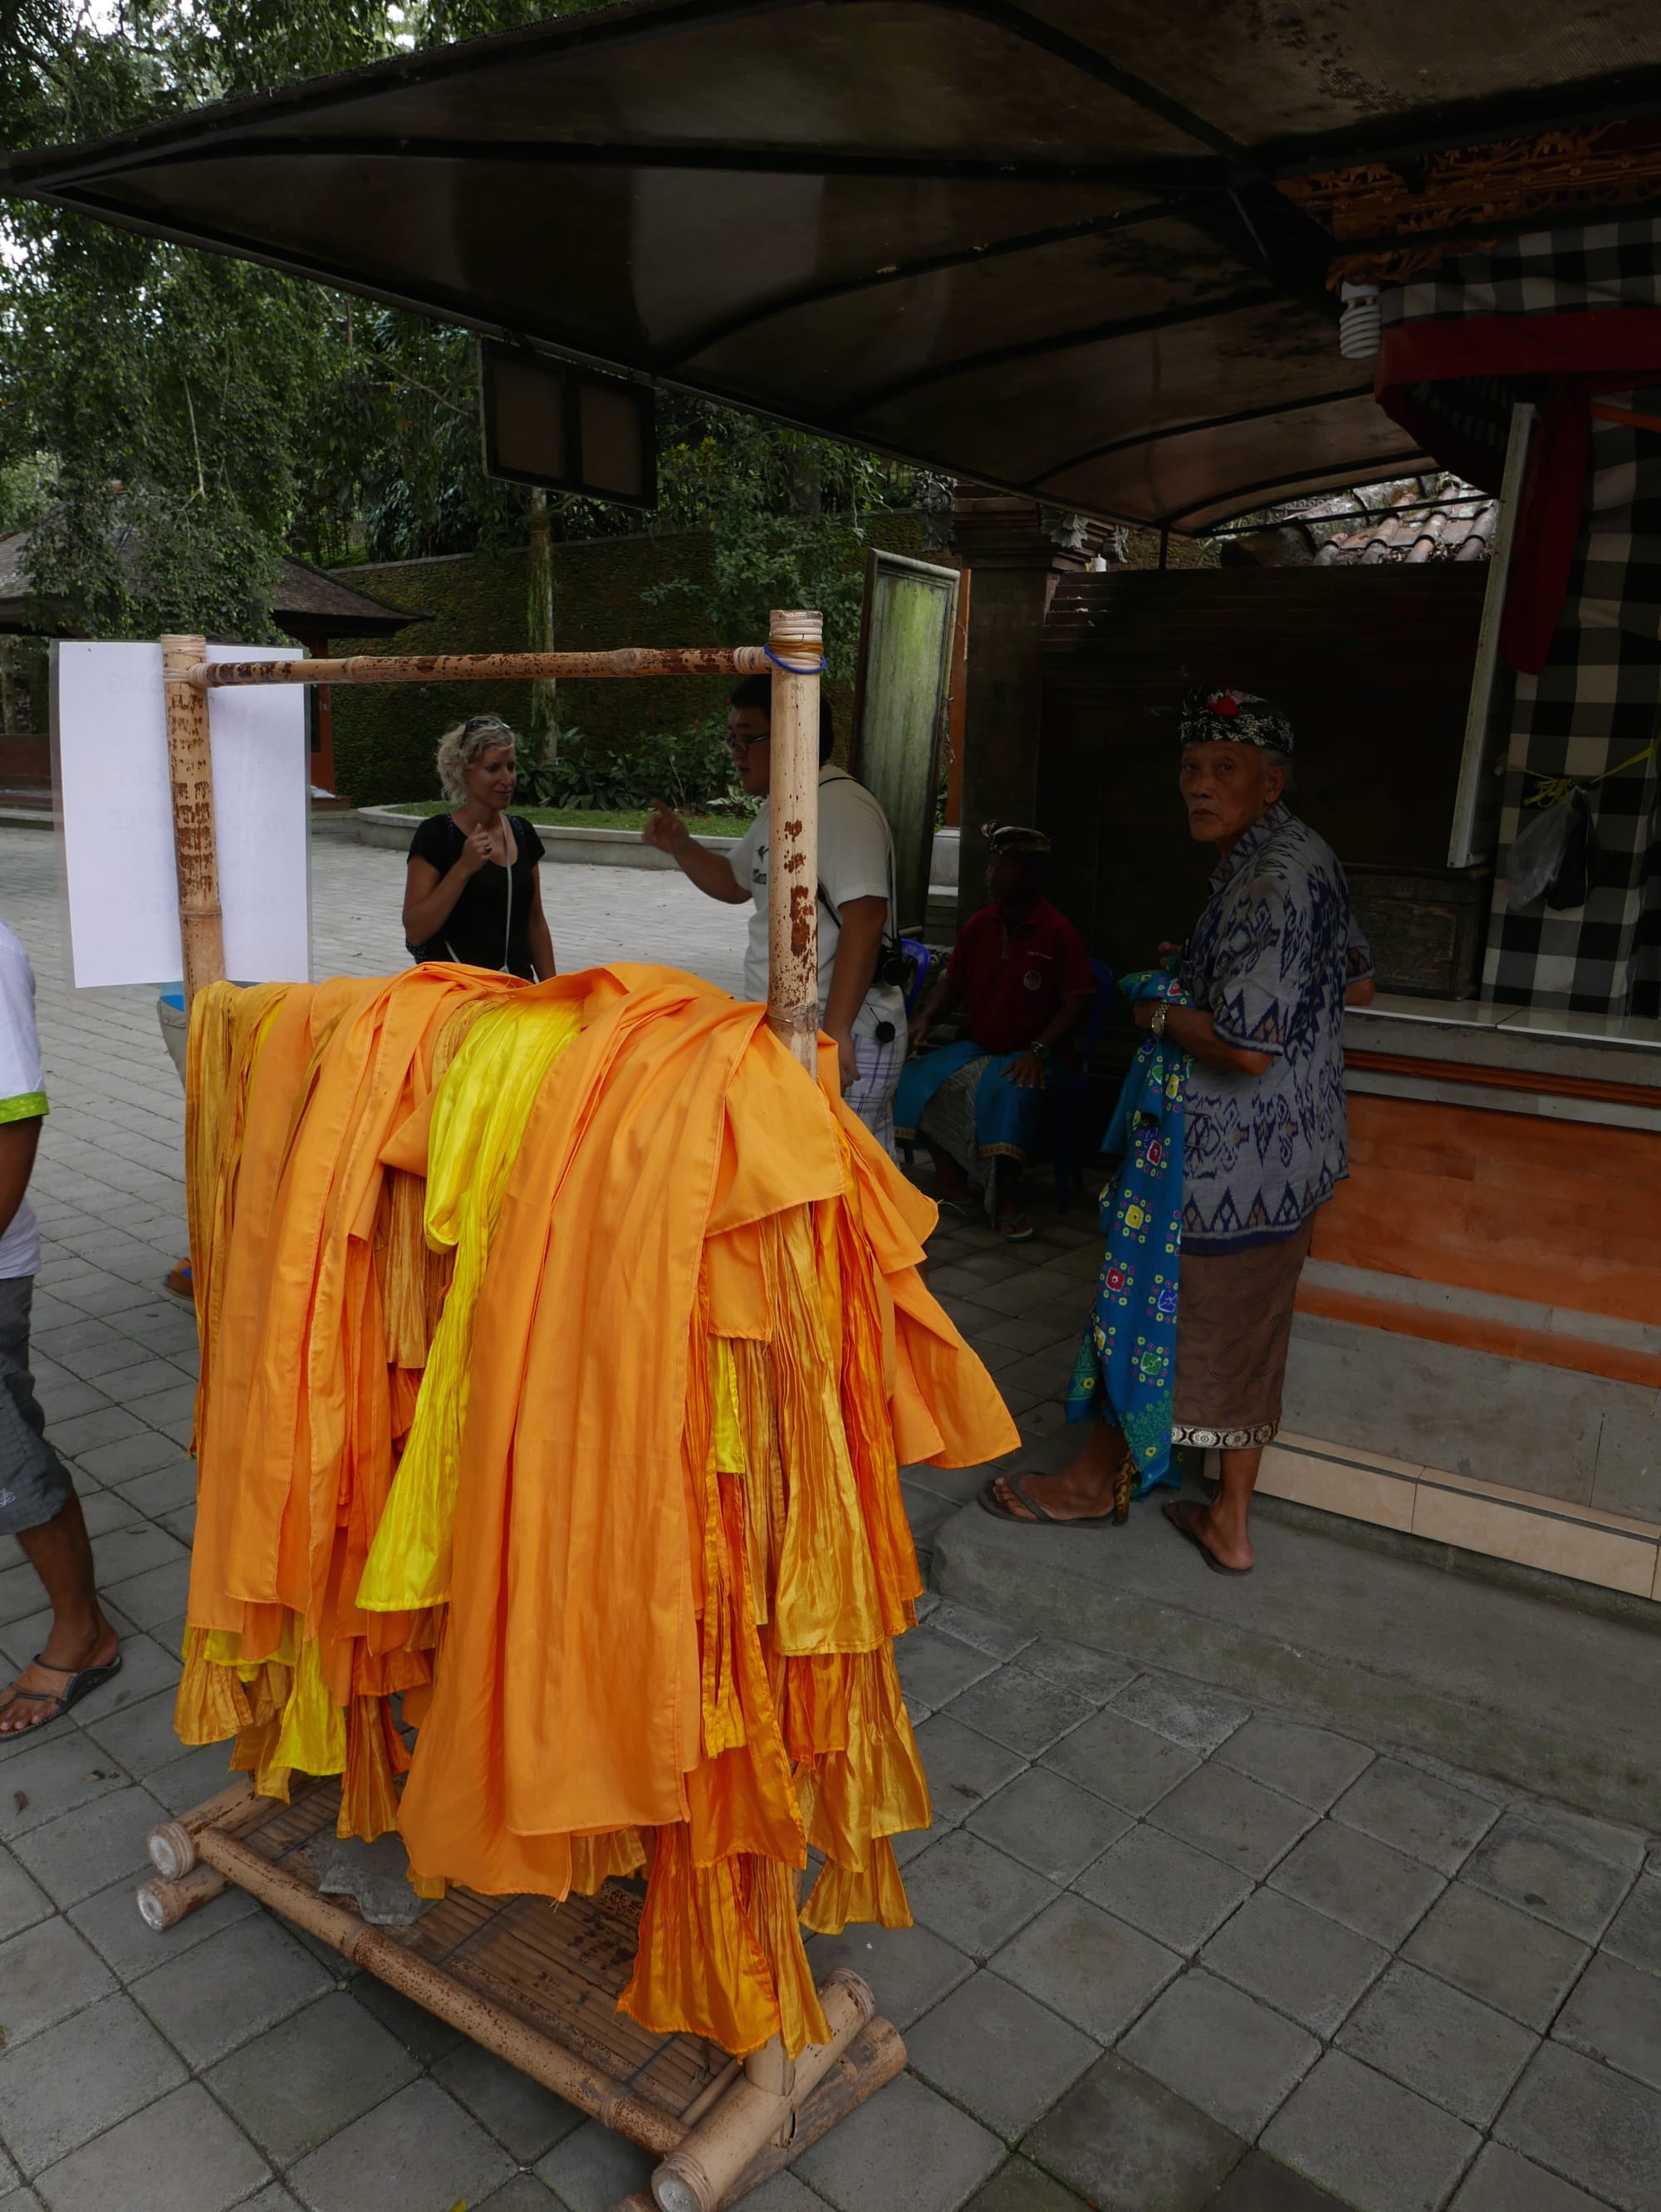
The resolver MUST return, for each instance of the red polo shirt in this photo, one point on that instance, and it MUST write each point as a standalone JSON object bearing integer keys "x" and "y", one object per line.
{"x": 1013, "y": 978}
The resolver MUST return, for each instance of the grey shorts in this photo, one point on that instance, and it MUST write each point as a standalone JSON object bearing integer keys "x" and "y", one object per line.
{"x": 34, "y": 1483}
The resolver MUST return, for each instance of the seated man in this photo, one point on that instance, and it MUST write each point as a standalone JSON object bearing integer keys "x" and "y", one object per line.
{"x": 1021, "y": 971}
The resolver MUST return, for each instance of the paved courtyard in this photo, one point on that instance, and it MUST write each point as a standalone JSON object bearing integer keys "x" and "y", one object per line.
{"x": 1171, "y": 1953}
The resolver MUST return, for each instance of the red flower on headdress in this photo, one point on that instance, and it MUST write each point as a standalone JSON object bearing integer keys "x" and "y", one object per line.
{"x": 1225, "y": 705}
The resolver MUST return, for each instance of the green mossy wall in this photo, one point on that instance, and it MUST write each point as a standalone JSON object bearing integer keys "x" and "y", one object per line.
{"x": 384, "y": 739}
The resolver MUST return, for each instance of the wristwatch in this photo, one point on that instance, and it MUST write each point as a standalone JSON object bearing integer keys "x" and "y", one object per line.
{"x": 1040, "y": 1053}
{"x": 1161, "y": 1015}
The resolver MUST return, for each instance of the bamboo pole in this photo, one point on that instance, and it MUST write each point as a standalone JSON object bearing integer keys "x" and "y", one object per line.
{"x": 483, "y": 667}
{"x": 796, "y": 638}
{"x": 697, "y": 2175}
{"x": 173, "y": 1846}
{"x": 491, "y": 2026}
{"x": 189, "y": 765}
{"x": 164, "y": 1903}
{"x": 869, "y": 2063}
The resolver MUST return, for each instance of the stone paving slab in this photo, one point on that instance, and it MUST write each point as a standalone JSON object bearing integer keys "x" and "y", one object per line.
{"x": 1175, "y": 1951}
{"x": 1374, "y": 2144}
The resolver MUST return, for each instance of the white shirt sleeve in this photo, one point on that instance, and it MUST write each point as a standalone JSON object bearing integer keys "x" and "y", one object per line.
{"x": 22, "y": 1086}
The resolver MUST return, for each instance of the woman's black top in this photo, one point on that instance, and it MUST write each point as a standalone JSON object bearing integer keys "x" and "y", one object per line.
{"x": 488, "y": 925}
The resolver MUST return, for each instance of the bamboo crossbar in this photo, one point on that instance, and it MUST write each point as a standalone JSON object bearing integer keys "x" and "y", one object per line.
{"x": 480, "y": 667}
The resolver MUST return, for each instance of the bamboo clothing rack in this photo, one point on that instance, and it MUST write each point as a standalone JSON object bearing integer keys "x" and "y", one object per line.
{"x": 793, "y": 656}
{"x": 537, "y": 1987}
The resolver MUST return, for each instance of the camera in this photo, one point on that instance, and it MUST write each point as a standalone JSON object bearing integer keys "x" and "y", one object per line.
{"x": 894, "y": 967}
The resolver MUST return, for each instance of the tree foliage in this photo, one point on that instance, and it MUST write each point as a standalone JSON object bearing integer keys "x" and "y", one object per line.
{"x": 171, "y": 421}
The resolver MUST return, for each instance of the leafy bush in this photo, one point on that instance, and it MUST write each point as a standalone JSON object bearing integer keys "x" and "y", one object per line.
{"x": 690, "y": 768}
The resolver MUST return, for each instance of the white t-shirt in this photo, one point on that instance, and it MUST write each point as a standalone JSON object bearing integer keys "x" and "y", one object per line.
{"x": 856, "y": 861}
{"x": 22, "y": 1091}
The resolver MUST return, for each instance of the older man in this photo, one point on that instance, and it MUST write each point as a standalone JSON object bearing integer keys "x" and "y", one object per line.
{"x": 1273, "y": 958}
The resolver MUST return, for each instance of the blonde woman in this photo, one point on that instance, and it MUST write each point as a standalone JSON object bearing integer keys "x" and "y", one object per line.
{"x": 473, "y": 892}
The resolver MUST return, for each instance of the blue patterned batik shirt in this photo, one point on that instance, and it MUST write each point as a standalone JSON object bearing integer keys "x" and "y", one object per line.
{"x": 1269, "y": 957}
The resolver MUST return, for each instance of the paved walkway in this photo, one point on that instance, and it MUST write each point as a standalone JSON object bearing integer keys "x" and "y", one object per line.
{"x": 1171, "y": 1954}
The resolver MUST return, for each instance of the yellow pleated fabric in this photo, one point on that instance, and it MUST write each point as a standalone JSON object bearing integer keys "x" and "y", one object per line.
{"x": 477, "y": 1126}
{"x": 561, "y": 1349}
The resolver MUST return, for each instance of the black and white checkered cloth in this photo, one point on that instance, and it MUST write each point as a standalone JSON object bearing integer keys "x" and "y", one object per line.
{"x": 1597, "y": 701}
{"x": 1585, "y": 270}
{"x": 1594, "y": 703}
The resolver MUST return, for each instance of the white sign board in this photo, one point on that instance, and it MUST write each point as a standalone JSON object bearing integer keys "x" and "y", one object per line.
{"x": 116, "y": 825}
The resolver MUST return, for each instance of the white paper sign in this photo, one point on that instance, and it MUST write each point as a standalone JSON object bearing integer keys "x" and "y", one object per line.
{"x": 116, "y": 827}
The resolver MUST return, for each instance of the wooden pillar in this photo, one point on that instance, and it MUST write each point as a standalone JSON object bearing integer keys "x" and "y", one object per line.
{"x": 1017, "y": 551}
{"x": 190, "y": 762}
{"x": 797, "y": 639}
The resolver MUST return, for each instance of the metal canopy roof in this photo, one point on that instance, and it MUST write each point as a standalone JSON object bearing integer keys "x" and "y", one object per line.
{"x": 1038, "y": 245}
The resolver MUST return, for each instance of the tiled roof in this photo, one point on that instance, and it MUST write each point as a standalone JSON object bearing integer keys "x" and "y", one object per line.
{"x": 1463, "y": 530}
{"x": 301, "y": 594}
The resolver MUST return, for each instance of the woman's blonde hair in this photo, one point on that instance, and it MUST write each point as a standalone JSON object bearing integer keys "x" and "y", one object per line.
{"x": 464, "y": 747}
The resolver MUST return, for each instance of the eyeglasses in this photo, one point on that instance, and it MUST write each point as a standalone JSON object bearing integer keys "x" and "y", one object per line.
{"x": 737, "y": 743}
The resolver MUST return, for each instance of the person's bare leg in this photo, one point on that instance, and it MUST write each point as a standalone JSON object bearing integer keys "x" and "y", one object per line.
{"x": 1006, "y": 1188}
{"x": 1084, "y": 1490}
{"x": 80, "y": 1636}
{"x": 950, "y": 1179}
{"x": 1222, "y": 1526}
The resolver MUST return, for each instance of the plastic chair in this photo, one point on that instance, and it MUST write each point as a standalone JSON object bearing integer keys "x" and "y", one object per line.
{"x": 922, "y": 960}
{"x": 1069, "y": 1087}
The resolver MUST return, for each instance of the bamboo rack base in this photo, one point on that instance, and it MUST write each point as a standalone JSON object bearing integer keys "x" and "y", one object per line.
{"x": 538, "y": 1985}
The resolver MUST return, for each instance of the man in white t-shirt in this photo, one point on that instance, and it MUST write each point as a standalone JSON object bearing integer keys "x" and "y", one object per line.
{"x": 863, "y": 1016}
{"x": 38, "y": 1504}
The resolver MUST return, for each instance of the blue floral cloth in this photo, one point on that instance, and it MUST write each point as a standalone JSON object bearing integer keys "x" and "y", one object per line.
{"x": 1126, "y": 1359}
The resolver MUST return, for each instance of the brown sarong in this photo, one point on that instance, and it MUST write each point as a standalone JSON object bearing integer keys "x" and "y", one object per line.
{"x": 1234, "y": 1323}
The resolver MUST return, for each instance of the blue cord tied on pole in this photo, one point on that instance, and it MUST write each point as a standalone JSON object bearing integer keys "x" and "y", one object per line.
{"x": 794, "y": 667}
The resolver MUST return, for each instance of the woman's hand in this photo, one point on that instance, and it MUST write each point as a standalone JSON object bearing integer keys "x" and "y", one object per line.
{"x": 1027, "y": 1073}
{"x": 917, "y": 1029}
{"x": 476, "y": 853}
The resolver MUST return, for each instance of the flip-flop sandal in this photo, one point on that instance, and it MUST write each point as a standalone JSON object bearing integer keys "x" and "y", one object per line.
{"x": 960, "y": 1209}
{"x": 1016, "y": 1229}
{"x": 1180, "y": 1513}
{"x": 79, "y": 1684}
{"x": 989, "y": 1502}
{"x": 179, "y": 1283}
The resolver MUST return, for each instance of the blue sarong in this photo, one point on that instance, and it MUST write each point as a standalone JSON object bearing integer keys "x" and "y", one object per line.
{"x": 1007, "y": 1116}
{"x": 1126, "y": 1362}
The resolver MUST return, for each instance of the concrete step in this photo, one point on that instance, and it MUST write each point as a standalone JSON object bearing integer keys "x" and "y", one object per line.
{"x": 1534, "y": 1692}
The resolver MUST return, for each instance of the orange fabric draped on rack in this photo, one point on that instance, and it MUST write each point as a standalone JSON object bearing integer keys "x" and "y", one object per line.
{"x": 679, "y": 1553}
